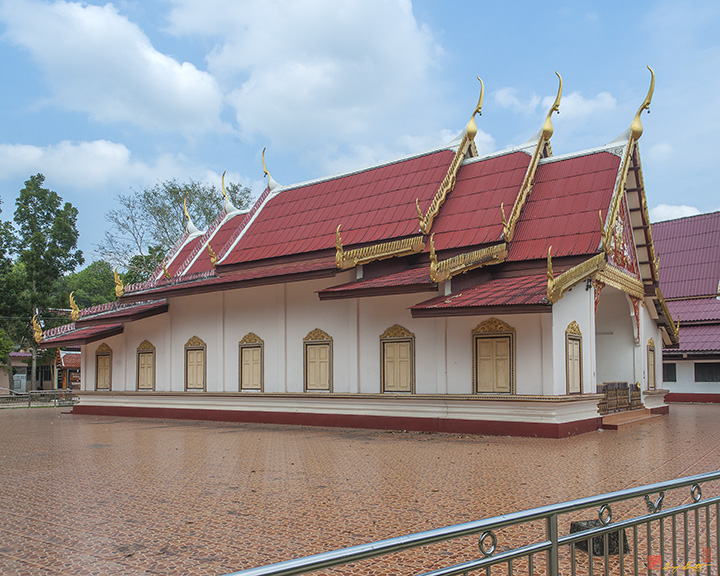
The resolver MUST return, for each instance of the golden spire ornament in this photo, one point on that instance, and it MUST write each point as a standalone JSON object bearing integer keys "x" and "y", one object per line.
{"x": 119, "y": 287}
{"x": 74, "y": 310}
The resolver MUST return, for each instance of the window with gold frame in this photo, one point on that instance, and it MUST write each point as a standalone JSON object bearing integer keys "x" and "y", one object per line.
{"x": 145, "y": 375}
{"x": 493, "y": 357}
{"x": 397, "y": 360}
{"x": 573, "y": 359}
{"x": 318, "y": 361}
{"x": 195, "y": 364}
{"x": 103, "y": 367}
{"x": 251, "y": 363}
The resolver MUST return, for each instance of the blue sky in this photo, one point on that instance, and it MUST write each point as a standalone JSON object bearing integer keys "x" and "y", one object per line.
{"x": 107, "y": 97}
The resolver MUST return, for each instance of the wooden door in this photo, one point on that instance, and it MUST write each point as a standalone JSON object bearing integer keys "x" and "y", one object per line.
{"x": 103, "y": 372}
{"x": 492, "y": 363}
{"x": 195, "y": 369}
{"x": 250, "y": 368}
{"x": 146, "y": 371}
{"x": 317, "y": 367}
{"x": 397, "y": 366}
{"x": 574, "y": 366}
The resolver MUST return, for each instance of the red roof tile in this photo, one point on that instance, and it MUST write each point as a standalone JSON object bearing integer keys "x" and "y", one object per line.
{"x": 414, "y": 278}
{"x": 70, "y": 359}
{"x": 699, "y": 310}
{"x": 471, "y": 213}
{"x": 122, "y": 312}
{"x": 703, "y": 338}
{"x": 520, "y": 291}
{"x": 689, "y": 254}
{"x": 69, "y": 335}
{"x": 288, "y": 225}
{"x": 179, "y": 260}
{"x": 562, "y": 209}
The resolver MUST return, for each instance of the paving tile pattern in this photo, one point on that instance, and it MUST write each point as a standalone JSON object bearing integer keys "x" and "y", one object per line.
{"x": 86, "y": 495}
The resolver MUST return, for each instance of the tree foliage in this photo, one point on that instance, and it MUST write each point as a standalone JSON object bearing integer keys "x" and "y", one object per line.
{"x": 93, "y": 285}
{"x": 148, "y": 222}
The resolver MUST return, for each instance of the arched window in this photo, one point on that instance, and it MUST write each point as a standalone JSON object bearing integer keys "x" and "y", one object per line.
{"x": 397, "y": 360}
{"x": 652, "y": 383}
{"x": 573, "y": 358}
{"x": 145, "y": 366}
{"x": 318, "y": 361}
{"x": 103, "y": 367}
{"x": 195, "y": 356}
{"x": 250, "y": 354}
{"x": 494, "y": 357}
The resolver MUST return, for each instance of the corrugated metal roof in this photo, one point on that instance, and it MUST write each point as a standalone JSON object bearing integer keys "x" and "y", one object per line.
{"x": 703, "y": 338}
{"x": 413, "y": 277}
{"x": 689, "y": 254}
{"x": 562, "y": 209}
{"x": 372, "y": 206}
{"x": 700, "y": 310}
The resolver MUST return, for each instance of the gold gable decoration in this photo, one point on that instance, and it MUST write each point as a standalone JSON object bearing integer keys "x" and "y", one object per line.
{"x": 194, "y": 342}
{"x": 317, "y": 335}
{"x": 346, "y": 259}
{"x": 446, "y": 186}
{"x": 556, "y": 287}
{"x": 251, "y": 338}
{"x": 636, "y": 130}
{"x": 465, "y": 262}
{"x": 651, "y": 343}
{"x": 623, "y": 281}
{"x": 542, "y": 149}
{"x": 145, "y": 346}
{"x": 396, "y": 331}
{"x": 103, "y": 349}
{"x": 491, "y": 326}
{"x": 573, "y": 328}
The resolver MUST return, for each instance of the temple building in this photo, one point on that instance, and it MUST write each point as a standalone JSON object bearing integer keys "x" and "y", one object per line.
{"x": 689, "y": 252}
{"x": 511, "y": 293}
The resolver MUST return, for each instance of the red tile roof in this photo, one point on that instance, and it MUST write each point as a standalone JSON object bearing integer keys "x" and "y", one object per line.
{"x": 68, "y": 335}
{"x": 179, "y": 260}
{"x": 217, "y": 237}
{"x": 70, "y": 359}
{"x": 413, "y": 280}
{"x": 372, "y": 206}
{"x": 122, "y": 312}
{"x": 562, "y": 209}
{"x": 689, "y": 254}
{"x": 699, "y": 310}
{"x": 471, "y": 213}
{"x": 501, "y": 292}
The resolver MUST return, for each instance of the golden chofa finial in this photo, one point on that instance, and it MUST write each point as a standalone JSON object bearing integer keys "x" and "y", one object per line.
{"x": 190, "y": 226}
{"x": 229, "y": 207}
{"x": 74, "y": 310}
{"x": 636, "y": 128}
{"x": 271, "y": 181}
{"x": 37, "y": 330}
{"x": 119, "y": 288}
{"x": 547, "y": 129}
{"x": 471, "y": 129}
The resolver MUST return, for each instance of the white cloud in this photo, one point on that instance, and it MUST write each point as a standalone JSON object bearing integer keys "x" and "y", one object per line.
{"x": 508, "y": 98}
{"x": 663, "y": 212}
{"x": 574, "y": 107}
{"x": 98, "y": 62}
{"x": 312, "y": 70}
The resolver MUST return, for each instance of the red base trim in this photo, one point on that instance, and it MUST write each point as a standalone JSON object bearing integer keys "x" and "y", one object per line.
{"x": 486, "y": 427}
{"x": 688, "y": 397}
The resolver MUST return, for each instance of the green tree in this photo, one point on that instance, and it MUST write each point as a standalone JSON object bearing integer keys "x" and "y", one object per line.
{"x": 93, "y": 285}
{"x": 46, "y": 247}
{"x": 147, "y": 223}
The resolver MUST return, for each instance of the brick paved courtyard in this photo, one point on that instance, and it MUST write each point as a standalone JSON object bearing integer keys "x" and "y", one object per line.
{"x": 104, "y": 495}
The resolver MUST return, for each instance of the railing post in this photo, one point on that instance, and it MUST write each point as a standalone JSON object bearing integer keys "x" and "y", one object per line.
{"x": 552, "y": 530}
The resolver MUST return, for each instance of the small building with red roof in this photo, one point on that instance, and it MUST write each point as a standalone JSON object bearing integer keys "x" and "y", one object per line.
{"x": 689, "y": 253}
{"x": 511, "y": 293}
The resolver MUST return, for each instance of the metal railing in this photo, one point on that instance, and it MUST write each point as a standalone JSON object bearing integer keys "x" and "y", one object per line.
{"x": 39, "y": 398}
{"x": 660, "y": 530}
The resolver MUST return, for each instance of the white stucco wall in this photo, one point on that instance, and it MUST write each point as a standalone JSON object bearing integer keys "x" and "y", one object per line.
{"x": 615, "y": 344}
{"x": 685, "y": 384}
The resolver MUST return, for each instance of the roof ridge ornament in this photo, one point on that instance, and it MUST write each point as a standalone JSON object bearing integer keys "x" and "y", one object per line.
{"x": 272, "y": 184}
{"x": 636, "y": 128}
{"x": 229, "y": 207}
{"x": 37, "y": 330}
{"x": 542, "y": 150}
{"x": 213, "y": 256}
{"x": 119, "y": 288}
{"x": 446, "y": 186}
{"x": 192, "y": 230}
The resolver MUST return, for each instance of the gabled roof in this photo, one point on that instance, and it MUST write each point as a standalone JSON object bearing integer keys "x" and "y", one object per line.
{"x": 373, "y": 205}
{"x": 689, "y": 252}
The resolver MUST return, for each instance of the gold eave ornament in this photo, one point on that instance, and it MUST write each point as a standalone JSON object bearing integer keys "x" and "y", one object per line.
{"x": 37, "y": 330}
{"x": 446, "y": 186}
{"x": 345, "y": 259}
{"x": 542, "y": 150}
{"x": 213, "y": 256}
{"x": 74, "y": 310}
{"x": 556, "y": 287}
{"x": 119, "y": 287}
{"x": 446, "y": 269}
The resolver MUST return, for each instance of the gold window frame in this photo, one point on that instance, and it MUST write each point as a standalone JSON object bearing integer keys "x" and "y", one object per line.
{"x": 251, "y": 340}
{"x": 394, "y": 334}
{"x": 493, "y": 328}
{"x": 314, "y": 337}
{"x": 195, "y": 344}
{"x": 573, "y": 333}
{"x": 145, "y": 347}
{"x": 103, "y": 350}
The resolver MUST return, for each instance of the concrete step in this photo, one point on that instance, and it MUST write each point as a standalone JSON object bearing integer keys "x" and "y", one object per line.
{"x": 621, "y": 419}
